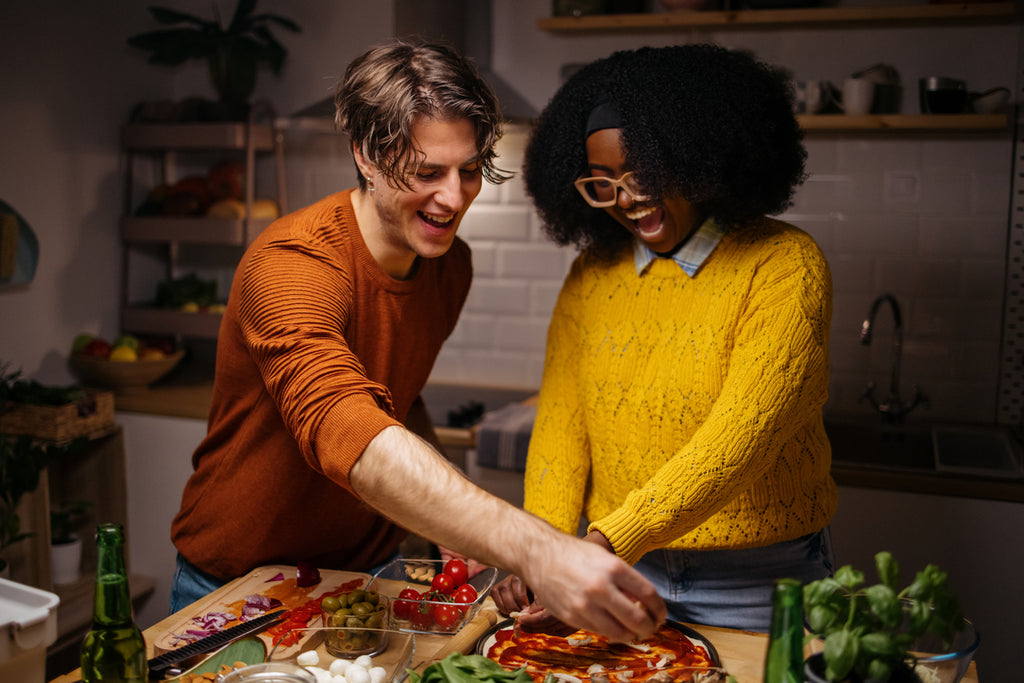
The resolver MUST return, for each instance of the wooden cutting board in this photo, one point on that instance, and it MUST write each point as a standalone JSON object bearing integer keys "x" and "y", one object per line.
{"x": 260, "y": 581}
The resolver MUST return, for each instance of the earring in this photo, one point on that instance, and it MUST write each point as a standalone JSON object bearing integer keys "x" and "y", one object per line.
{"x": 370, "y": 185}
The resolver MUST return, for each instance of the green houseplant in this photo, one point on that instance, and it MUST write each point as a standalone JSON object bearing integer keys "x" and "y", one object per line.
{"x": 870, "y": 632}
{"x": 65, "y": 519}
{"x": 23, "y": 458}
{"x": 234, "y": 53}
{"x": 65, "y": 544}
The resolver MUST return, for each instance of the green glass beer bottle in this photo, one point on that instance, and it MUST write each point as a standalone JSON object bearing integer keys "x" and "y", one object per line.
{"x": 784, "y": 662}
{"x": 113, "y": 651}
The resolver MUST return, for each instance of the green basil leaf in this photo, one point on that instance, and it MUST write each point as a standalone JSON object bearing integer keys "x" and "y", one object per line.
{"x": 888, "y": 569}
{"x": 840, "y": 654}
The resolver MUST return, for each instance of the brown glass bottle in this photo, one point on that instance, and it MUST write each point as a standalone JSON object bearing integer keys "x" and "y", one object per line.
{"x": 114, "y": 650}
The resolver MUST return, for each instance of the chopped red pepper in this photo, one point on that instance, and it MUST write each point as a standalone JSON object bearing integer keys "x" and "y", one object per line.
{"x": 297, "y": 618}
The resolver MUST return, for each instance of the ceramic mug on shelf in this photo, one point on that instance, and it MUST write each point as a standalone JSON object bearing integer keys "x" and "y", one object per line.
{"x": 858, "y": 96}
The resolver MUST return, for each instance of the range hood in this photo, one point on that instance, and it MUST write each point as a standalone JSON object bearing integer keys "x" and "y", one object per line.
{"x": 463, "y": 24}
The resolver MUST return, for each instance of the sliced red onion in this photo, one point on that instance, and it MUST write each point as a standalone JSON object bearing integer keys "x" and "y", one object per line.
{"x": 307, "y": 575}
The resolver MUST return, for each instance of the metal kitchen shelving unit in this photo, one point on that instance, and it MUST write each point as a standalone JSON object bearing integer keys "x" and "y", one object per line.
{"x": 162, "y": 143}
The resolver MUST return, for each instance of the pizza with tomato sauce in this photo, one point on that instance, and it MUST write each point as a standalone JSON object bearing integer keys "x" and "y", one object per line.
{"x": 669, "y": 656}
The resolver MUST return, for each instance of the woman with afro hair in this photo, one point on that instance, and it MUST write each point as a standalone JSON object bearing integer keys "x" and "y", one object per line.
{"x": 680, "y": 412}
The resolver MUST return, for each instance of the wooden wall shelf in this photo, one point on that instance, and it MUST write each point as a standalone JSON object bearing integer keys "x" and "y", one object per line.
{"x": 951, "y": 13}
{"x": 904, "y": 123}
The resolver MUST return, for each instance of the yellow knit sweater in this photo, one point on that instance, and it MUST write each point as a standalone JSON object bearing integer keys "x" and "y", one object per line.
{"x": 686, "y": 413}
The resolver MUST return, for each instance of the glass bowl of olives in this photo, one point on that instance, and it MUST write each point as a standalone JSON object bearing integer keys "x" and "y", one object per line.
{"x": 359, "y": 621}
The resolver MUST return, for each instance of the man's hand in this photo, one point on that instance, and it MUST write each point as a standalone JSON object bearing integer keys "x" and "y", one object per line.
{"x": 512, "y": 595}
{"x": 582, "y": 584}
{"x": 587, "y": 587}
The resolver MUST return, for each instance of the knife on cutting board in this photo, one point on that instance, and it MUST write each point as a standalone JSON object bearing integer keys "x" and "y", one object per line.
{"x": 177, "y": 659}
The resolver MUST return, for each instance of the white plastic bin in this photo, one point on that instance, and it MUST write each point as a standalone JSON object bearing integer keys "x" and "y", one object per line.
{"x": 28, "y": 625}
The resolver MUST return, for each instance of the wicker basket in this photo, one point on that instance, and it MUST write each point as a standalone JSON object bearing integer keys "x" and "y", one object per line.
{"x": 93, "y": 414}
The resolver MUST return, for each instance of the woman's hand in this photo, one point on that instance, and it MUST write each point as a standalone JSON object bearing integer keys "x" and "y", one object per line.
{"x": 511, "y": 595}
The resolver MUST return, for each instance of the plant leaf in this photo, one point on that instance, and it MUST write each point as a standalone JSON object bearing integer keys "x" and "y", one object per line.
{"x": 849, "y": 578}
{"x": 840, "y": 654}
{"x": 878, "y": 670}
{"x": 888, "y": 569}
{"x": 166, "y": 15}
{"x": 885, "y": 605}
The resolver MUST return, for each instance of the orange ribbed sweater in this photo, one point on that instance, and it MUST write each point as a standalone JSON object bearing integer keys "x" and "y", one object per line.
{"x": 318, "y": 346}
{"x": 686, "y": 413}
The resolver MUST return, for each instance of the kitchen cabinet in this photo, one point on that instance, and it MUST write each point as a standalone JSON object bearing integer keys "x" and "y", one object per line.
{"x": 95, "y": 473}
{"x": 952, "y": 14}
{"x": 169, "y": 146}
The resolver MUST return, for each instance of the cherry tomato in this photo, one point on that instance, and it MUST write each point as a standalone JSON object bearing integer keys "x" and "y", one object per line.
{"x": 457, "y": 569}
{"x": 446, "y": 615}
{"x": 442, "y": 583}
{"x": 422, "y": 616}
{"x": 465, "y": 594}
{"x": 406, "y": 603}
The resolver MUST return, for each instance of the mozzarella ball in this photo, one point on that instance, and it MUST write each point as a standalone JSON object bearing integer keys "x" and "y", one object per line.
{"x": 339, "y": 667}
{"x": 308, "y": 658}
{"x": 357, "y": 674}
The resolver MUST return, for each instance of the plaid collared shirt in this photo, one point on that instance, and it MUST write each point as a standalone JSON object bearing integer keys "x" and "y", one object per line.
{"x": 690, "y": 256}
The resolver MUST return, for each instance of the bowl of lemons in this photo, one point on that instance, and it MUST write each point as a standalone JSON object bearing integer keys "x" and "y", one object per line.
{"x": 124, "y": 365}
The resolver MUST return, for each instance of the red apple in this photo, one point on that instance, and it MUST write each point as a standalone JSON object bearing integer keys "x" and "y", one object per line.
{"x": 97, "y": 348}
{"x": 226, "y": 180}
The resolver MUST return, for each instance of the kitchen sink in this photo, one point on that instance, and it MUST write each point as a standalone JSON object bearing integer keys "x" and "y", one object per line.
{"x": 979, "y": 450}
{"x": 463, "y": 405}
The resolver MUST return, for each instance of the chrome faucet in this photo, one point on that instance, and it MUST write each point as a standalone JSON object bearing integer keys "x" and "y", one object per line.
{"x": 892, "y": 408}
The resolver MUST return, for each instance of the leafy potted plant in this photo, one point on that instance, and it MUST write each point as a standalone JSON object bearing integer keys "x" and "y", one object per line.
{"x": 65, "y": 544}
{"x": 874, "y": 634}
{"x": 22, "y": 460}
{"x": 234, "y": 53}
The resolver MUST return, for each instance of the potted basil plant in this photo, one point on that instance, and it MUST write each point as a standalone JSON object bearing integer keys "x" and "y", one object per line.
{"x": 65, "y": 544}
{"x": 874, "y": 634}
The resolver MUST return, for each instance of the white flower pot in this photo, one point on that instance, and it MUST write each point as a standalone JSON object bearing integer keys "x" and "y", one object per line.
{"x": 65, "y": 561}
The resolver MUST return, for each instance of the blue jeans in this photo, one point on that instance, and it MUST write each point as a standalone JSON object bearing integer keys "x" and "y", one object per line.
{"x": 732, "y": 588}
{"x": 190, "y": 584}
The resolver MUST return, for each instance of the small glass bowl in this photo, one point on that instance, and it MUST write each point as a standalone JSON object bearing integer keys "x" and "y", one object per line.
{"x": 949, "y": 663}
{"x": 417, "y": 574}
{"x": 269, "y": 672}
{"x": 393, "y": 651}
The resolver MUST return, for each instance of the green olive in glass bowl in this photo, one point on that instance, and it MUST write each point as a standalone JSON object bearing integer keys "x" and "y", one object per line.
{"x": 361, "y": 619}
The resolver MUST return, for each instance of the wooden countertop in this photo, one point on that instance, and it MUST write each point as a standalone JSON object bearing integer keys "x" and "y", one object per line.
{"x": 742, "y": 653}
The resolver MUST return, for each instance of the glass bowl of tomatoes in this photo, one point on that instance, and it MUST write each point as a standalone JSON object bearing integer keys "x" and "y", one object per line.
{"x": 432, "y": 596}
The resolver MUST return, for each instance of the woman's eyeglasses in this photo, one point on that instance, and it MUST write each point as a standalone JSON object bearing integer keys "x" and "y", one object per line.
{"x": 602, "y": 192}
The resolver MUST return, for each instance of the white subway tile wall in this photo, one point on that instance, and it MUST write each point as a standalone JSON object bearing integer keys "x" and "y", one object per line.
{"x": 924, "y": 219}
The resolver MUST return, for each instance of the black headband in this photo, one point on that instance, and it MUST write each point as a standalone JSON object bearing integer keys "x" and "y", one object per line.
{"x": 603, "y": 115}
